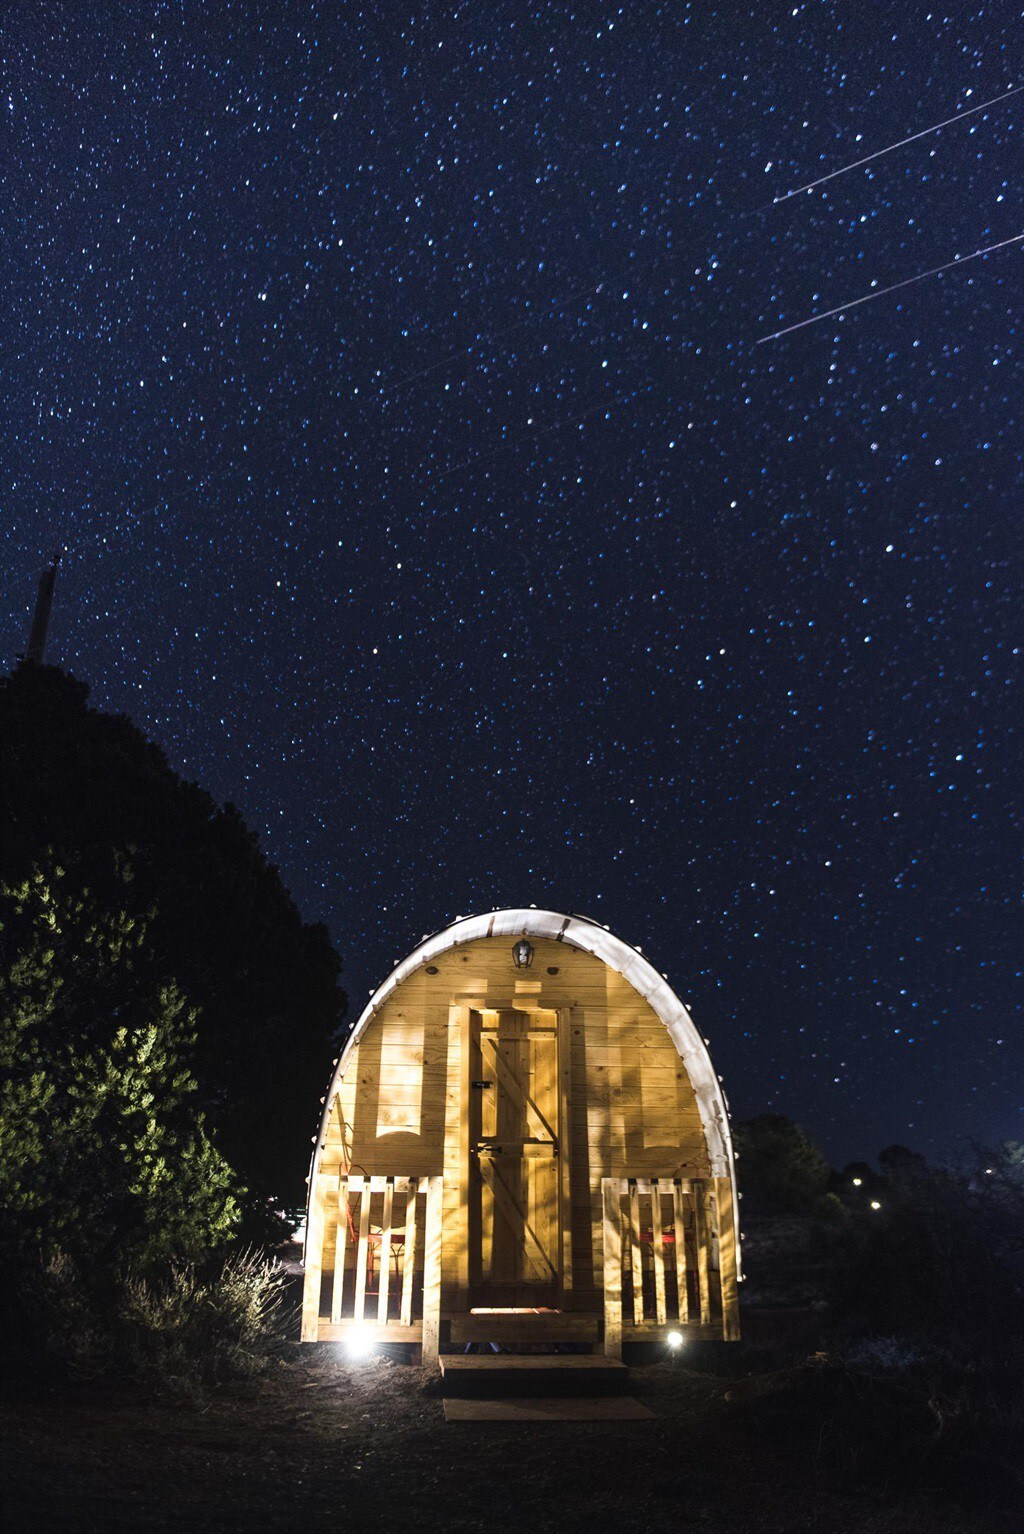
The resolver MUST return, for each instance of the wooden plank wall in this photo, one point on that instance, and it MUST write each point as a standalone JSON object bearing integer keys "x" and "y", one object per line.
{"x": 628, "y": 1106}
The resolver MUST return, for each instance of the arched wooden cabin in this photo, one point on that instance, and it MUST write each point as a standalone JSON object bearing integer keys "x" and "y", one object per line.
{"x": 524, "y": 1140}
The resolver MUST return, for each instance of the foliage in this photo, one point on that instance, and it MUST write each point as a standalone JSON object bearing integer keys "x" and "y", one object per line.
{"x": 192, "y": 1327}
{"x": 174, "y": 1329}
{"x": 105, "y": 1160}
{"x": 940, "y": 1258}
{"x": 217, "y": 918}
{"x": 779, "y": 1169}
{"x": 884, "y": 1353}
{"x": 899, "y": 1420}
{"x": 925, "y": 1275}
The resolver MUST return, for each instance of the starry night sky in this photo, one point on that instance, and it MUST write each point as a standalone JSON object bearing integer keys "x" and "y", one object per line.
{"x": 390, "y": 376}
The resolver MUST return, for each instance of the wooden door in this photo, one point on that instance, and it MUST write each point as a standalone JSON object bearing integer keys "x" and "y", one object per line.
{"x": 514, "y": 1151}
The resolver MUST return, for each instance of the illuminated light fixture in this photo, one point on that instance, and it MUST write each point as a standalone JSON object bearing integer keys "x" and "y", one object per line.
{"x": 875, "y": 1204}
{"x": 857, "y": 1181}
{"x": 522, "y": 954}
{"x": 674, "y": 1340}
{"x": 359, "y": 1341}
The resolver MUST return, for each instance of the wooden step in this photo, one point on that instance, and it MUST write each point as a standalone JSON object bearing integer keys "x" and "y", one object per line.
{"x": 488, "y": 1375}
{"x": 511, "y": 1326}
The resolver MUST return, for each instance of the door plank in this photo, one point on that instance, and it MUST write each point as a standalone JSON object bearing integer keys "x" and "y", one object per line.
{"x": 517, "y": 1220}
{"x": 512, "y": 1085}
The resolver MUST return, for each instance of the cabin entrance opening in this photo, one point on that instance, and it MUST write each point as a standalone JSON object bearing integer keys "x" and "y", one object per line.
{"x": 514, "y": 1172}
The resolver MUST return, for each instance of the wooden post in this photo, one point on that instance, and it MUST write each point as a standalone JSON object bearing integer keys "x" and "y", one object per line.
{"x": 612, "y": 1267}
{"x": 727, "y": 1259}
{"x": 409, "y": 1250}
{"x": 340, "y": 1240}
{"x": 432, "y": 1271}
{"x": 314, "y": 1261}
{"x": 657, "y": 1239}
{"x": 455, "y": 1114}
{"x": 362, "y": 1187}
{"x": 384, "y": 1280}
{"x": 466, "y": 1222}
{"x": 564, "y": 1158}
{"x": 701, "y": 1231}
{"x": 636, "y": 1255}
{"x": 682, "y": 1284}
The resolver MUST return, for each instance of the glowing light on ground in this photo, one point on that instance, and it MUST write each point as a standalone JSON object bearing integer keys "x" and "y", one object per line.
{"x": 359, "y": 1342}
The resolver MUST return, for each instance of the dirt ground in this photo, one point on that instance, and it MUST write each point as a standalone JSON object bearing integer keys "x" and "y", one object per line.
{"x": 321, "y": 1443}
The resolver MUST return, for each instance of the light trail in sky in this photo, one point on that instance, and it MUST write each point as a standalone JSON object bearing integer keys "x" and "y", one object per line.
{"x": 906, "y": 283}
{"x": 958, "y": 117}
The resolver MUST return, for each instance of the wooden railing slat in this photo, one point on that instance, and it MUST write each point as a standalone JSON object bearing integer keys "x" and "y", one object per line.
{"x": 365, "y": 1192}
{"x": 724, "y": 1210}
{"x": 409, "y": 1250}
{"x": 682, "y": 1286}
{"x": 657, "y": 1239}
{"x": 384, "y": 1281}
{"x": 314, "y": 1262}
{"x": 612, "y": 1210}
{"x": 432, "y": 1272}
{"x": 636, "y": 1254}
{"x": 701, "y": 1232}
{"x": 340, "y": 1239}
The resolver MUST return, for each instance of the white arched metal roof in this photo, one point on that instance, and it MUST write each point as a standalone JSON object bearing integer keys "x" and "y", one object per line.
{"x": 580, "y": 932}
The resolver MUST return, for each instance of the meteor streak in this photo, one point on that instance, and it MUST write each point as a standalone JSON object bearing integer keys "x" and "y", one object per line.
{"x": 959, "y": 117}
{"x": 907, "y": 281}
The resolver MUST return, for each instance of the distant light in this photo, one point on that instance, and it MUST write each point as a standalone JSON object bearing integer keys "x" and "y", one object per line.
{"x": 359, "y": 1341}
{"x": 989, "y": 1171}
{"x": 875, "y": 1204}
{"x": 674, "y": 1340}
{"x": 858, "y": 1182}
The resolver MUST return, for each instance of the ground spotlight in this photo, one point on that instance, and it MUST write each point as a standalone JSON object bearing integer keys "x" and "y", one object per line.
{"x": 675, "y": 1341}
{"x": 359, "y": 1341}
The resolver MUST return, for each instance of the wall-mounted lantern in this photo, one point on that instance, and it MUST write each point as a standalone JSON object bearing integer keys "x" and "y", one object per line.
{"x": 522, "y": 954}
